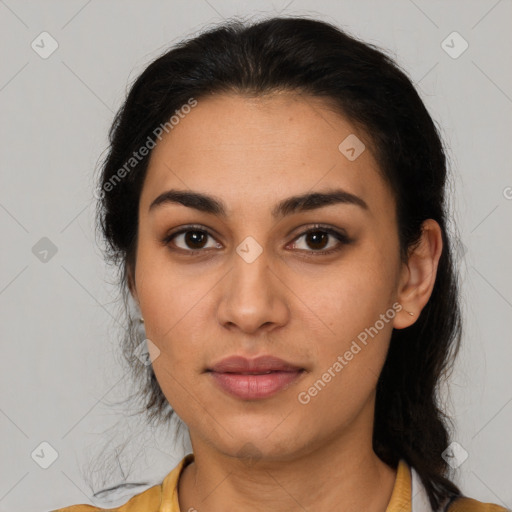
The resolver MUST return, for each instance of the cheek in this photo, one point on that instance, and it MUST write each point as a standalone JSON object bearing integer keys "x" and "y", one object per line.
{"x": 168, "y": 303}
{"x": 348, "y": 362}
{"x": 167, "y": 292}
{"x": 351, "y": 325}
{"x": 340, "y": 304}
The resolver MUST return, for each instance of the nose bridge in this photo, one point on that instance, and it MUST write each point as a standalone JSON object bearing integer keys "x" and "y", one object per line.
{"x": 251, "y": 295}
{"x": 251, "y": 269}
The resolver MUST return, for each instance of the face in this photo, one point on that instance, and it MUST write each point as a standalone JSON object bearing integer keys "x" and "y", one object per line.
{"x": 315, "y": 286}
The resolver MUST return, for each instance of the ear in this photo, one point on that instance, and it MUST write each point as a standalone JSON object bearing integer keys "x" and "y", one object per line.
{"x": 418, "y": 275}
{"x": 131, "y": 283}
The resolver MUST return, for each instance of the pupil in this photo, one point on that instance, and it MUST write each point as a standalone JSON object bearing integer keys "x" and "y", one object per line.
{"x": 195, "y": 237}
{"x": 317, "y": 237}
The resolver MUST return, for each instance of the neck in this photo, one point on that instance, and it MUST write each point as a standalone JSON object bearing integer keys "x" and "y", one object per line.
{"x": 340, "y": 476}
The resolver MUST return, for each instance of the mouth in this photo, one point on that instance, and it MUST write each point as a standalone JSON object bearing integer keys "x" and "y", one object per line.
{"x": 254, "y": 379}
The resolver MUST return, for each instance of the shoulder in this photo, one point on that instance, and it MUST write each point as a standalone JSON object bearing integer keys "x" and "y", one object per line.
{"x": 464, "y": 504}
{"x": 148, "y": 500}
{"x": 159, "y": 496}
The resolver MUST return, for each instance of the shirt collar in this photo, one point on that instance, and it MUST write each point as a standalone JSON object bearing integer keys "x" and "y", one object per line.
{"x": 400, "y": 497}
{"x": 170, "y": 501}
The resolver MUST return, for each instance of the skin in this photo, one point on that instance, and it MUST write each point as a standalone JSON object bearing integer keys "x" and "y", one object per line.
{"x": 274, "y": 454}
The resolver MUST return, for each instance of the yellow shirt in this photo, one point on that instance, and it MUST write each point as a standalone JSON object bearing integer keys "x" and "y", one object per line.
{"x": 164, "y": 497}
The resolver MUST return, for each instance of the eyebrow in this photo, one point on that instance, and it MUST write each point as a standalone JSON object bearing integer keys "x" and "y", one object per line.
{"x": 288, "y": 206}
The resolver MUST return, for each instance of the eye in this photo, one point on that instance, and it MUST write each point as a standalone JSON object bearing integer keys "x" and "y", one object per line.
{"x": 191, "y": 239}
{"x": 322, "y": 240}
{"x": 319, "y": 240}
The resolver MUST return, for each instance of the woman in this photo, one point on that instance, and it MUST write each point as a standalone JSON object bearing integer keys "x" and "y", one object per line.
{"x": 274, "y": 195}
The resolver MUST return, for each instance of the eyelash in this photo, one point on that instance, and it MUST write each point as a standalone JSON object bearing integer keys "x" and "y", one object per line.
{"x": 341, "y": 237}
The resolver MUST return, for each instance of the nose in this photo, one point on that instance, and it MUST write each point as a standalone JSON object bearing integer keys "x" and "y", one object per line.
{"x": 253, "y": 297}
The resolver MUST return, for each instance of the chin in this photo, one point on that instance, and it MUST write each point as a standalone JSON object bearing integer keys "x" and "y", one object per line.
{"x": 262, "y": 446}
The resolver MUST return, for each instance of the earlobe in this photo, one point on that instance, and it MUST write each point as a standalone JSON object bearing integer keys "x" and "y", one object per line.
{"x": 131, "y": 285}
{"x": 419, "y": 274}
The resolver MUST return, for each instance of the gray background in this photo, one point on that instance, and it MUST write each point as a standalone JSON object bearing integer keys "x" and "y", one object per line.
{"x": 59, "y": 365}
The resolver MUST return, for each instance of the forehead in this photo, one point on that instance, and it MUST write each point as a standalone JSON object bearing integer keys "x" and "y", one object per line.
{"x": 259, "y": 149}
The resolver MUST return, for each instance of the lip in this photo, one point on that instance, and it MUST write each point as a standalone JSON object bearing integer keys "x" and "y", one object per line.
{"x": 254, "y": 379}
{"x": 261, "y": 364}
